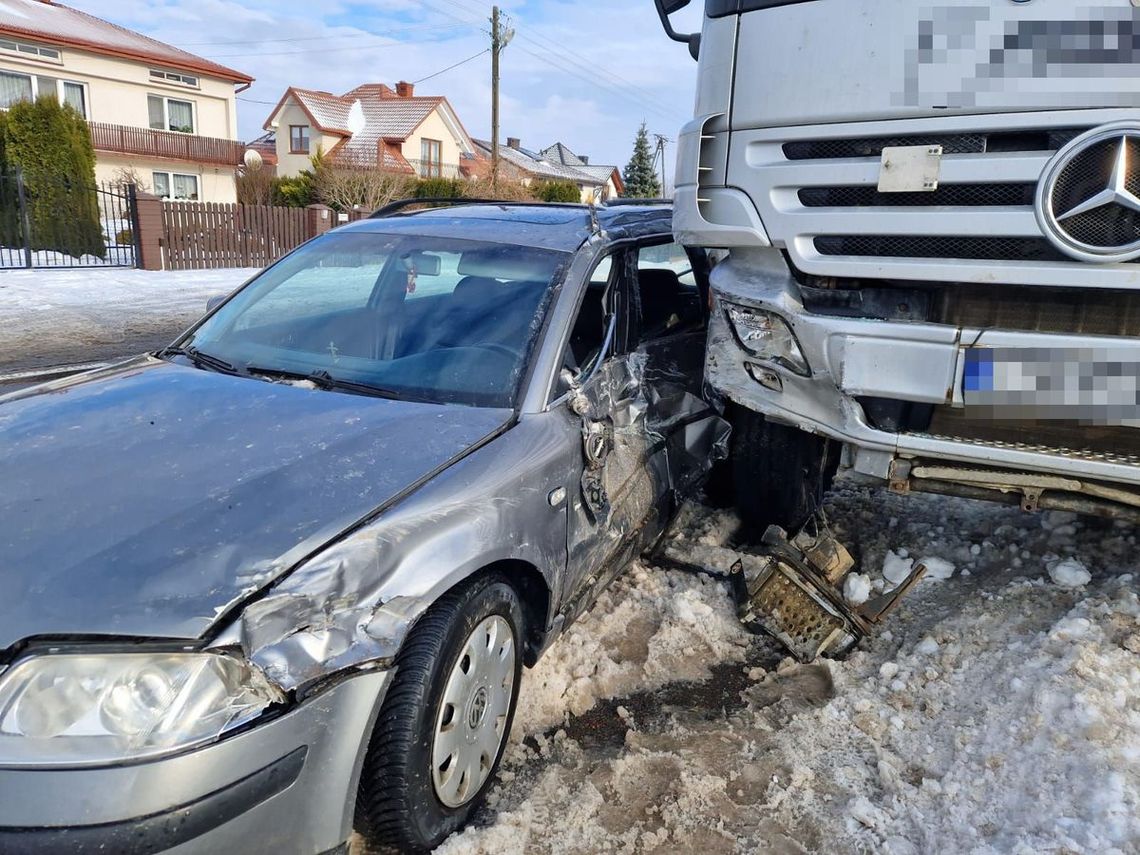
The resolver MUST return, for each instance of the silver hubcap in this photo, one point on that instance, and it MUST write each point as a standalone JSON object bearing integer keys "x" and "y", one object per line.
{"x": 472, "y": 720}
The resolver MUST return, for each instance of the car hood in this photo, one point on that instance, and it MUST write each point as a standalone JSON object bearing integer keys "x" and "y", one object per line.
{"x": 147, "y": 500}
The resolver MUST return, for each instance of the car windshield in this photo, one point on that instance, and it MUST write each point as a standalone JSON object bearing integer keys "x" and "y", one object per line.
{"x": 422, "y": 318}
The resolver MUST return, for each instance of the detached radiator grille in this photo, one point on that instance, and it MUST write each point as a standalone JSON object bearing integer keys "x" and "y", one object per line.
{"x": 963, "y": 195}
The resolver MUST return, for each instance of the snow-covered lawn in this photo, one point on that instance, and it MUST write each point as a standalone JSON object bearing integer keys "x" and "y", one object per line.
{"x": 999, "y": 712}
{"x": 48, "y": 313}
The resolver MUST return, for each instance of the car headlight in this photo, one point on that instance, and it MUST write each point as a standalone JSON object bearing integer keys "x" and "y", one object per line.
{"x": 767, "y": 336}
{"x": 105, "y": 707}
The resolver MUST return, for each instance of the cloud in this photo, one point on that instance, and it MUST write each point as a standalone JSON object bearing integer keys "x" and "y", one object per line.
{"x": 586, "y": 73}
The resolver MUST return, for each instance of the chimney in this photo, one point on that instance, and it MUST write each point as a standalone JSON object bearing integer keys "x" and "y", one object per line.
{"x": 514, "y": 142}
{"x": 405, "y": 89}
{"x": 585, "y": 158}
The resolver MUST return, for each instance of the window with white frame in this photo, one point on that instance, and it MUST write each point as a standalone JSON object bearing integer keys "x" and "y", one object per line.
{"x": 17, "y": 86}
{"x": 171, "y": 114}
{"x": 29, "y": 49}
{"x": 174, "y": 77}
{"x": 174, "y": 185}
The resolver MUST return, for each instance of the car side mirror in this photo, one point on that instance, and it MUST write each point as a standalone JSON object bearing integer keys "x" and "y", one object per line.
{"x": 215, "y": 301}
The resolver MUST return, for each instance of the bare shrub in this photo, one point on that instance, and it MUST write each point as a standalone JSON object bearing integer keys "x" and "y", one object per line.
{"x": 365, "y": 187}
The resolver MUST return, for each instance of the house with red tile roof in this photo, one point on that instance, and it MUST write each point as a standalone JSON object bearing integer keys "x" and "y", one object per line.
{"x": 557, "y": 162}
{"x": 156, "y": 111}
{"x": 371, "y": 125}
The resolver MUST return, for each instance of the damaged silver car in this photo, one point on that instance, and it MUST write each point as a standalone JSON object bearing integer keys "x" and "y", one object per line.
{"x": 278, "y": 581}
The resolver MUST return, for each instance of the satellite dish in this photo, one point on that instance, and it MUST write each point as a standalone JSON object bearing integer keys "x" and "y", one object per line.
{"x": 252, "y": 159}
{"x": 356, "y": 120}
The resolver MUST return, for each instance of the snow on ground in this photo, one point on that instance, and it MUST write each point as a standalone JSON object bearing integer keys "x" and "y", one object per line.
{"x": 49, "y": 314}
{"x": 999, "y": 711}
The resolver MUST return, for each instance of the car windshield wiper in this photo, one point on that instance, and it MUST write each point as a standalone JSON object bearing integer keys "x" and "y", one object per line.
{"x": 201, "y": 359}
{"x": 323, "y": 380}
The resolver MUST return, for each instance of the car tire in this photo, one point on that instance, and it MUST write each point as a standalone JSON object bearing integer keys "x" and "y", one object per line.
{"x": 779, "y": 474}
{"x": 402, "y": 801}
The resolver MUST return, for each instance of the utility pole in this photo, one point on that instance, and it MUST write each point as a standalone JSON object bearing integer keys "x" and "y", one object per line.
{"x": 501, "y": 36}
{"x": 496, "y": 46}
{"x": 661, "y": 141}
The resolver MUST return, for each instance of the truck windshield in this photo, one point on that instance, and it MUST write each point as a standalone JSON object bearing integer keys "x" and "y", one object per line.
{"x": 422, "y": 318}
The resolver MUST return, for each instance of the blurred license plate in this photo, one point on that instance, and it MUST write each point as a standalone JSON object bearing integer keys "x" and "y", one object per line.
{"x": 1091, "y": 385}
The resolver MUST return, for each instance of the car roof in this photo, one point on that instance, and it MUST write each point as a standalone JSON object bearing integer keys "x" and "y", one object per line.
{"x": 549, "y": 226}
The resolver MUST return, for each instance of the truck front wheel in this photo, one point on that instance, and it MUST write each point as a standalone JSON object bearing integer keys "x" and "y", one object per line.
{"x": 779, "y": 474}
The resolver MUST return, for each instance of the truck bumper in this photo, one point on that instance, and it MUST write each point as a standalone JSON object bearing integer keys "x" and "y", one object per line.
{"x": 285, "y": 786}
{"x": 854, "y": 358}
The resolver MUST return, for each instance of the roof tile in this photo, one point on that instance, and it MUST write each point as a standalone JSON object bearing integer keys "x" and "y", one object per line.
{"x": 57, "y": 24}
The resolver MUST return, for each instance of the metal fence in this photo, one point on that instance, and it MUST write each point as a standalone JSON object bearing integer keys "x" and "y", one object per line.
{"x": 58, "y": 223}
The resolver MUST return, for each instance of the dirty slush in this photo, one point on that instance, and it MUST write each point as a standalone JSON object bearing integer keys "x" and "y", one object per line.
{"x": 998, "y": 712}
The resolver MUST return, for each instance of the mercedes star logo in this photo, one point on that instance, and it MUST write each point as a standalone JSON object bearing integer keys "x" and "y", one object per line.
{"x": 1087, "y": 201}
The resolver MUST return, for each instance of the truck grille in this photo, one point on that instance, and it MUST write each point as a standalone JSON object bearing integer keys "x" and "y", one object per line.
{"x": 1004, "y": 141}
{"x": 964, "y": 195}
{"x": 1049, "y": 310}
{"x": 977, "y": 248}
{"x": 816, "y": 191}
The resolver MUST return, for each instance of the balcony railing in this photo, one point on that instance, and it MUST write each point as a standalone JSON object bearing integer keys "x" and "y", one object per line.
{"x": 165, "y": 144}
{"x": 434, "y": 169}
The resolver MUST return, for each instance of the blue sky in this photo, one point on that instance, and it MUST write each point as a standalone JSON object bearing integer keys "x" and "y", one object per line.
{"x": 586, "y": 73}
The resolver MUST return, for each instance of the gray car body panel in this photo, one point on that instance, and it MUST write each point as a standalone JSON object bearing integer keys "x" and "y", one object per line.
{"x": 243, "y": 479}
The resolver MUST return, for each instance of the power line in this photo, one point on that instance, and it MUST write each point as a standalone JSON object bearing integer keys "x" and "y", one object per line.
{"x": 596, "y": 73}
{"x": 421, "y": 80}
{"x": 390, "y": 43}
{"x": 601, "y": 84}
{"x": 416, "y": 28}
{"x": 456, "y": 65}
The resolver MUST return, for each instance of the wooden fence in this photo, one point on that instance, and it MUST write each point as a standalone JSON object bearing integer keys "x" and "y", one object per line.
{"x": 197, "y": 235}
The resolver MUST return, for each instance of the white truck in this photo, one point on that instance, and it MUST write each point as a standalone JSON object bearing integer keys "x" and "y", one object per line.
{"x": 931, "y": 212}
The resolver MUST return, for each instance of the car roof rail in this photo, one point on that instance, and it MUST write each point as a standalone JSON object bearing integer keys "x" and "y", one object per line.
{"x": 393, "y": 208}
{"x": 628, "y": 202}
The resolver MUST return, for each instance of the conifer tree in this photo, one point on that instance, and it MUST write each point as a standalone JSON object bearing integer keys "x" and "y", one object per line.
{"x": 639, "y": 176}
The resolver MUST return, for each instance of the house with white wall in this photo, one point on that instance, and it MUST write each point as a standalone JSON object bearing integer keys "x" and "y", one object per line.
{"x": 596, "y": 183}
{"x": 155, "y": 111}
{"x": 371, "y": 125}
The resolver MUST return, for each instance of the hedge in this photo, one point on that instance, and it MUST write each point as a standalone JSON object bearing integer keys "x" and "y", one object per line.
{"x": 50, "y": 145}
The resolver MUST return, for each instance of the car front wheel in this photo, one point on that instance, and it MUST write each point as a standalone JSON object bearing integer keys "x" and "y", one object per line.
{"x": 444, "y": 723}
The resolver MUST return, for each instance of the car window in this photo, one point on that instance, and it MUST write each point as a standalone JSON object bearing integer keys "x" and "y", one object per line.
{"x": 588, "y": 334}
{"x": 669, "y": 294}
{"x": 335, "y": 282}
{"x": 669, "y": 256}
{"x": 423, "y": 318}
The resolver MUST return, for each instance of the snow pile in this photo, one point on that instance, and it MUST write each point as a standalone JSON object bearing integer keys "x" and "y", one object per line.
{"x": 648, "y": 629}
{"x": 997, "y": 712}
{"x": 106, "y": 313}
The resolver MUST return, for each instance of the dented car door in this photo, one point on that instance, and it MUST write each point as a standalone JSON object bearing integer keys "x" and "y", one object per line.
{"x": 646, "y": 435}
